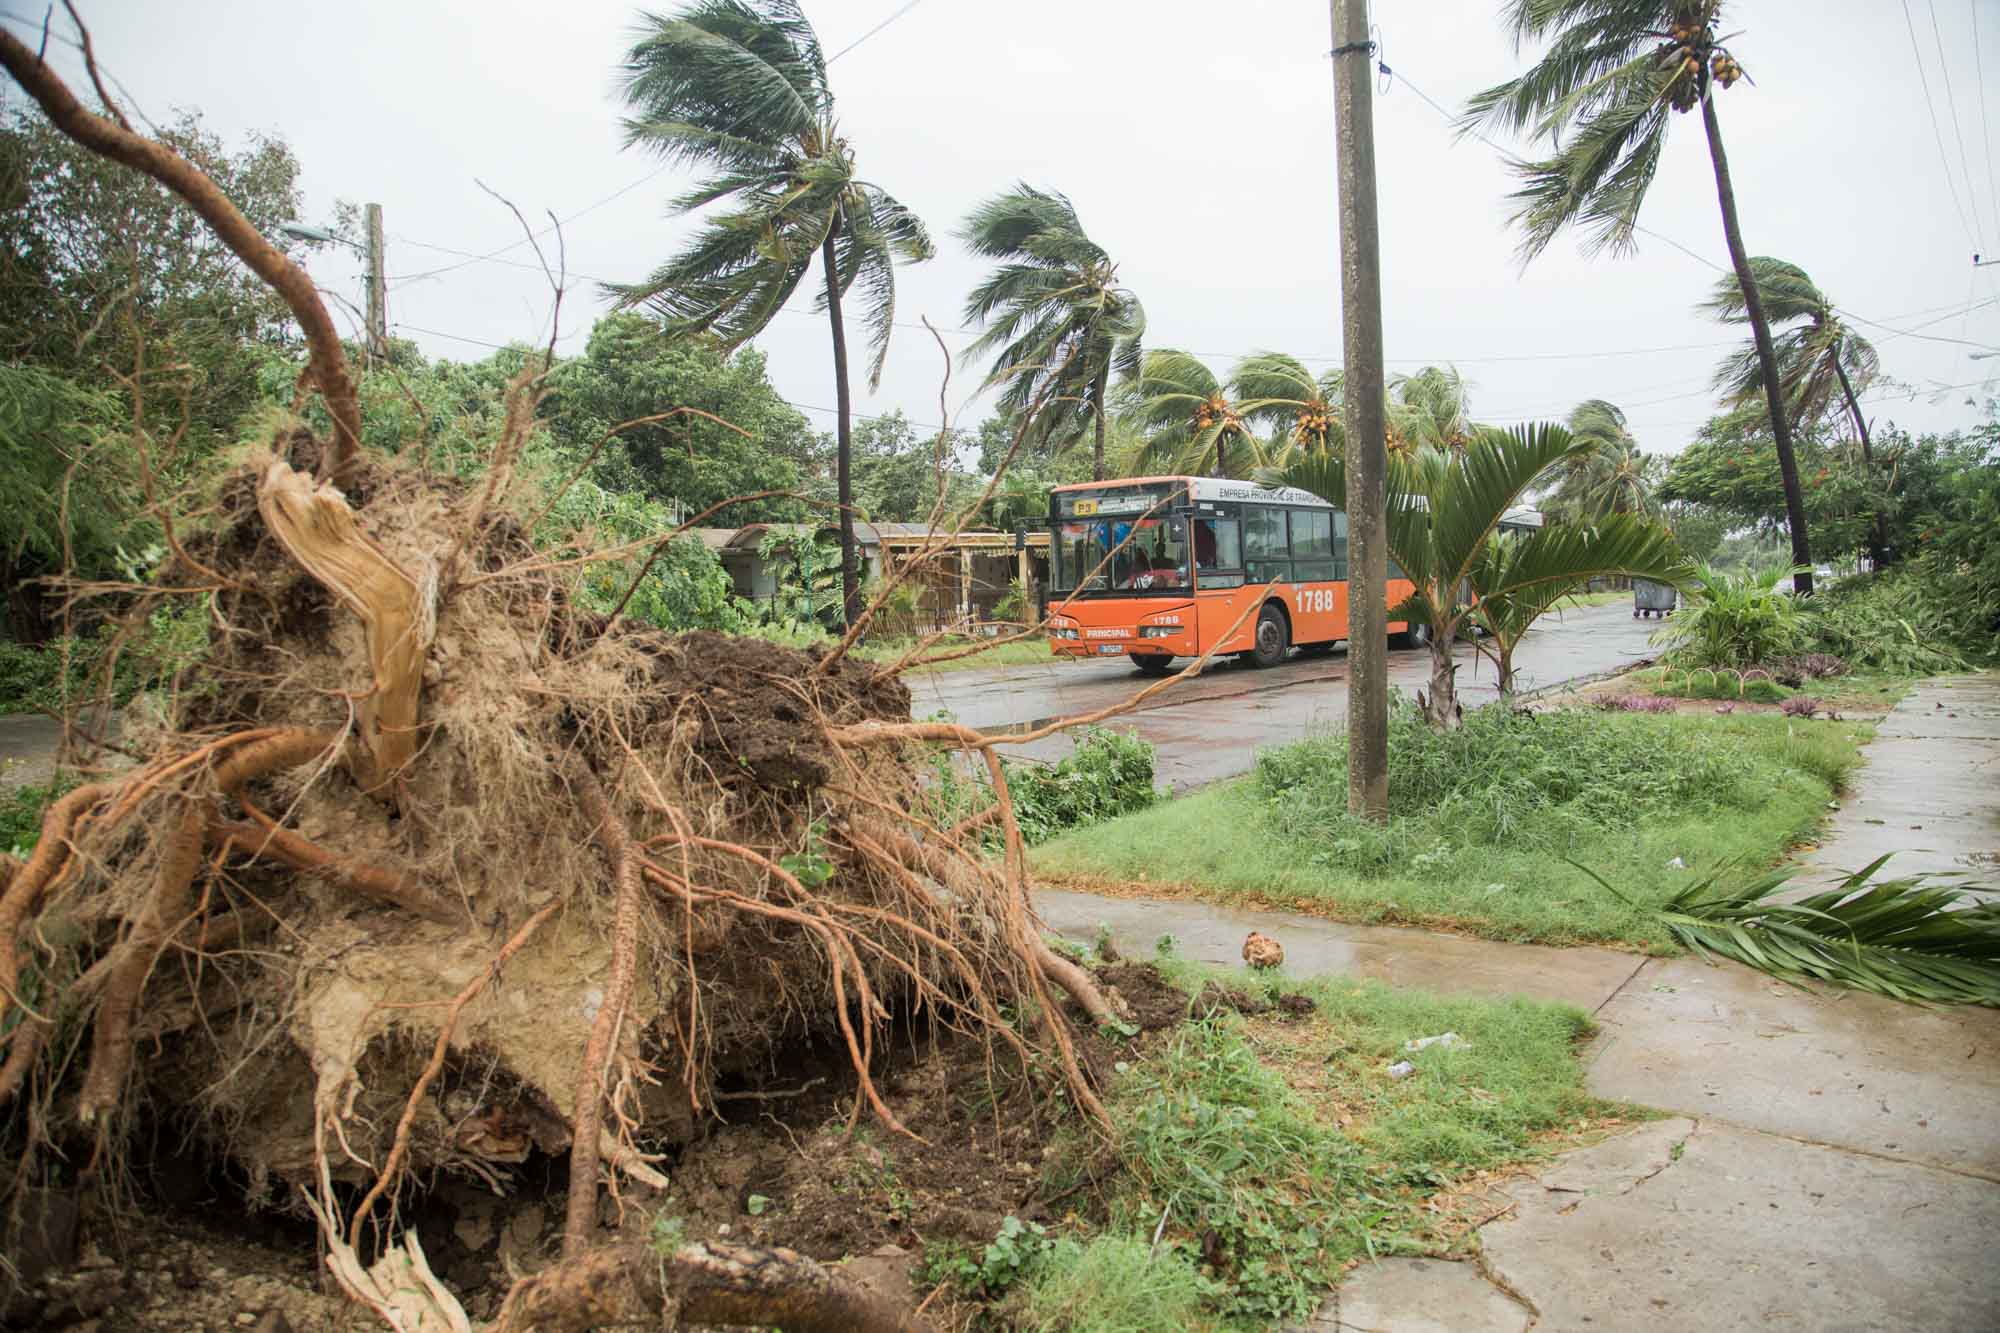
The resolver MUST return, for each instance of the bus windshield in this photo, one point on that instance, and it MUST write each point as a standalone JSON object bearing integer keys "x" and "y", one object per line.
{"x": 1147, "y": 544}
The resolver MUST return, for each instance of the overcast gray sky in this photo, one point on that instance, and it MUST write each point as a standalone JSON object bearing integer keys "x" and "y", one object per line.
{"x": 1196, "y": 140}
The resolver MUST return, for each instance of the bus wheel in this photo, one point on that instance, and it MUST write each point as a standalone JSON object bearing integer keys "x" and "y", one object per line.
{"x": 1416, "y": 636}
{"x": 1152, "y": 664}
{"x": 1273, "y": 638}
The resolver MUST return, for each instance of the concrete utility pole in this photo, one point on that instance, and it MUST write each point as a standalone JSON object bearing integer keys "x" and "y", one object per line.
{"x": 378, "y": 289}
{"x": 1361, "y": 353}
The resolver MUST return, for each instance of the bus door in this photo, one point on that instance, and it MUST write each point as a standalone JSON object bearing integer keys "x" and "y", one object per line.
{"x": 1215, "y": 543}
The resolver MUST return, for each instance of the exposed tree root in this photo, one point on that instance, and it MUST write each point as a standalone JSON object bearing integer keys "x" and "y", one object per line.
{"x": 701, "y": 1284}
{"x": 111, "y": 1044}
{"x": 580, "y": 1219}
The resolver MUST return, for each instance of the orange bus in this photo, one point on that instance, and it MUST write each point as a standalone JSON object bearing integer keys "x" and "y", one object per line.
{"x": 1155, "y": 568}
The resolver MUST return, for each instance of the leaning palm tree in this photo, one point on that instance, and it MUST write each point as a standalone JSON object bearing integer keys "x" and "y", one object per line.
{"x": 1611, "y": 75}
{"x": 1431, "y": 409}
{"x": 1302, "y": 410}
{"x": 1609, "y": 473}
{"x": 1059, "y": 321}
{"x": 738, "y": 88}
{"x": 1822, "y": 364}
{"x": 1190, "y": 421}
{"x": 1443, "y": 512}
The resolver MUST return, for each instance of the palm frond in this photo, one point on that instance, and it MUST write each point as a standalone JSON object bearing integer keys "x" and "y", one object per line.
{"x": 1908, "y": 938}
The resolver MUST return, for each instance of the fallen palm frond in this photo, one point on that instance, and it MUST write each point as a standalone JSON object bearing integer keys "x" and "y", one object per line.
{"x": 1907, "y": 938}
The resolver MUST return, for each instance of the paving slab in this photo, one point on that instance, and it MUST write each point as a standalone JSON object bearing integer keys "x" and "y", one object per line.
{"x": 1706, "y": 1225}
{"x": 1928, "y": 791}
{"x": 1834, "y": 1066}
{"x": 1420, "y": 1296}
{"x": 1209, "y": 933}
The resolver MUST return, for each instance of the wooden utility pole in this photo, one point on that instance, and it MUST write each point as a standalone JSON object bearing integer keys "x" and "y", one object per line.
{"x": 1361, "y": 355}
{"x": 378, "y": 290}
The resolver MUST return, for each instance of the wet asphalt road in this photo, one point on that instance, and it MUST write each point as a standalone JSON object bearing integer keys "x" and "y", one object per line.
{"x": 1211, "y": 727}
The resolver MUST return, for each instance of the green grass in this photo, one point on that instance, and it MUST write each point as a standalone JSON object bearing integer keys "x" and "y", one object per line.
{"x": 21, "y": 810}
{"x": 1023, "y": 652}
{"x": 1484, "y": 847}
{"x": 1289, "y": 1145}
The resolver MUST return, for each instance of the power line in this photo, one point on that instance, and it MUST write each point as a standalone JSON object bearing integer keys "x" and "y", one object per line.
{"x": 1985, "y": 116}
{"x": 1951, "y": 100}
{"x": 1937, "y": 131}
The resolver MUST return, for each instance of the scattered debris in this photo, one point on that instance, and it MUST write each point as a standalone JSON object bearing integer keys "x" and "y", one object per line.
{"x": 1449, "y": 1041}
{"x": 1260, "y": 950}
{"x": 1402, "y": 1069}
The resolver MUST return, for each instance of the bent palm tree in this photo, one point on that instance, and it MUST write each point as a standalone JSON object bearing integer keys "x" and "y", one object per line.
{"x": 1431, "y": 409}
{"x": 1820, "y": 359}
{"x": 738, "y": 87}
{"x": 1609, "y": 473}
{"x": 1060, "y": 321}
{"x": 1443, "y": 510}
{"x": 1300, "y": 409}
{"x": 1188, "y": 417}
{"x": 1612, "y": 73}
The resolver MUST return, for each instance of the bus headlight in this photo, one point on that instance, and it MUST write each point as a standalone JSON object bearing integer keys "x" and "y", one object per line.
{"x": 1158, "y": 631}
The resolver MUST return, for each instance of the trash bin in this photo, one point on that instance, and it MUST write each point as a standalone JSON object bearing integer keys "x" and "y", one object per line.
{"x": 1653, "y": 599}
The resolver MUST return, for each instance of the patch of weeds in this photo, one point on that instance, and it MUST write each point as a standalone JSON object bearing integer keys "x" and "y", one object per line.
{"x": 1216, "y": 1142}
{"x": 668, "y": 1233}
{"x": 1117, "y": 1284}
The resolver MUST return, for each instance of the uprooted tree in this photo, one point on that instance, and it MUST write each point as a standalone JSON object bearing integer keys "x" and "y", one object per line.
{"x": 427, "y": 867}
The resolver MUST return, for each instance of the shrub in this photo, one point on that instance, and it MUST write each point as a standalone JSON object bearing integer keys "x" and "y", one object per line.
{"x": 1735, "y": 620}
{"x": 66, "y": 672}
{"x": 21, "y": 810}
{"x": 1109, "y": 774}
{"x": 1503, "y": 778}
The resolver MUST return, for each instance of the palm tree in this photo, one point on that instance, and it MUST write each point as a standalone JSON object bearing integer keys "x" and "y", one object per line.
{"x": 1611, "y": 74}
{"x": 1608, "y": 473}
{"x": 1818, "y": 357}
{"x": 1302, "y": 410}
{"x": 1431, "y": 409}
{"x": 738, "y": 88}
{"x": 1060, "y": 322}
{"x": 1188, "y": 417}
{"x": 1443, "y": 511}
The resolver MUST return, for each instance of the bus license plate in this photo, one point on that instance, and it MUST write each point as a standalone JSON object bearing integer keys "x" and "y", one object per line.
{"x": 1110, "y": 648}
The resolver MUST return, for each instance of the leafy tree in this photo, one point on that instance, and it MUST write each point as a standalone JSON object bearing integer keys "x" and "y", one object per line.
{"x": 739, "y": 88}
{"x": 1443, "y": 510}
{"x": 896, "y": 472}
{"x": 1059, "y": 323}
{"x": 633, "y": 369}
{"x": 1732, "y": 467}
{"x": 100, "y": 260}
{"x": 50, "y": 426}
{"x": 1189, "y": 420}
{"x": 104, "y": 274}
{"x": 1822, "y": 364}
{"x": 1612, "y": 73}
{"x": 1608, "y": 473}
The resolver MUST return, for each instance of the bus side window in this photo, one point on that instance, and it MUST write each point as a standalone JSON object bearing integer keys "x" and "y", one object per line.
{"x": 1218, "y": 552}
{"x": 1340, "y": 543}
{"x": 1266, "y": 551}
{"x": 1312, "y": 545}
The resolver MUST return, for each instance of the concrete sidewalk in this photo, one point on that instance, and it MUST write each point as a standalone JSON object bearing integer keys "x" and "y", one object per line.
{"x": 1834, "y": 1157}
